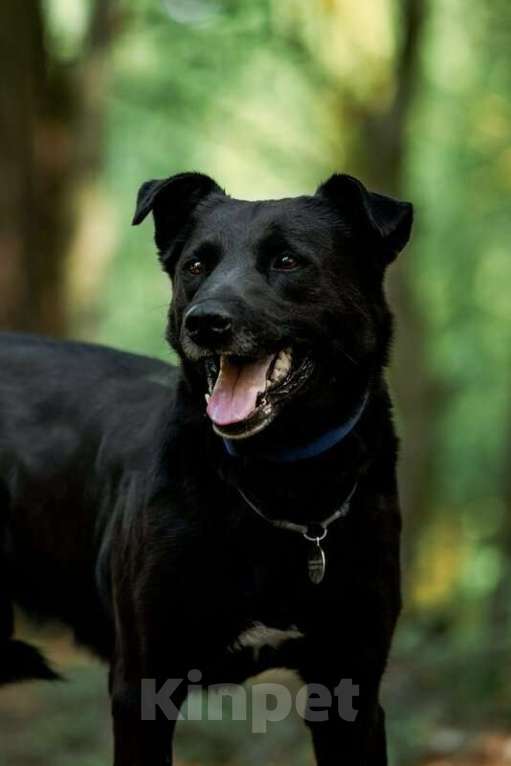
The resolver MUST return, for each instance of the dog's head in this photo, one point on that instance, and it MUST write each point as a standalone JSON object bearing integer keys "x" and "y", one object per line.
{"x": 275, "y": 303}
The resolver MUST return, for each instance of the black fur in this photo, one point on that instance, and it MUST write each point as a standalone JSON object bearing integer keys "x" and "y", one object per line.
{"x": 119, "y": 507}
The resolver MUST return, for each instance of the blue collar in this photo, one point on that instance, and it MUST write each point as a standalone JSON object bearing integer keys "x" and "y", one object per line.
{"x": 315, "y": 448}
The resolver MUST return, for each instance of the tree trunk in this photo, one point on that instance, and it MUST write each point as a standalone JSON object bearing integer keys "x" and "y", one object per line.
{"x": 50, "y": 138}
{"x": 34, "y": 164}
{"x": 384, "y": 144}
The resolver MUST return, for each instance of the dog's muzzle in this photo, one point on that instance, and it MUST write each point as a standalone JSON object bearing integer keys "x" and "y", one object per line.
{"x": 247, "y": 384}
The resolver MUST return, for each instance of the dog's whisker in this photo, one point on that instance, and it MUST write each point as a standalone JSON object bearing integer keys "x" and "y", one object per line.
{"x": 348, "y": 356}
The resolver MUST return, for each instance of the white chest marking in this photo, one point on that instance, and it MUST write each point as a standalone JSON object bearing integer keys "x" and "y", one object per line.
{"x": 260, "y": 635}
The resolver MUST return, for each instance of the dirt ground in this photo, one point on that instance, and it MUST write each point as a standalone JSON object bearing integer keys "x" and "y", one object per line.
{"x": 57, "y": 724}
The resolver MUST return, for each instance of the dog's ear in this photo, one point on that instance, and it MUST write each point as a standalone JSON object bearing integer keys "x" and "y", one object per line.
{"x": 389, "y": 219}
{"x": 172, "y": 202}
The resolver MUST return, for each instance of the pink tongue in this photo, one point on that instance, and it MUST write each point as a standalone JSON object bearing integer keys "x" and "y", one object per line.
{"x": 235, "y": 393}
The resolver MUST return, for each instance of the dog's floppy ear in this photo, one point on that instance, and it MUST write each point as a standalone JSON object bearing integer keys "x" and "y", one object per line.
{"x": 389, "y": 219}
{"x": 172, "y": 201}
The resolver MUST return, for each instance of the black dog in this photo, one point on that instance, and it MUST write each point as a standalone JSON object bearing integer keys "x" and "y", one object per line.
{"x": 168, "y": 532}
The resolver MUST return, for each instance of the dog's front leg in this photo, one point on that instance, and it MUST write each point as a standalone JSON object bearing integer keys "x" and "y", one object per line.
{"x": 343, "y": 714}
{"x": 359, "y": 742}
{"x": 147, "y": 688}
{"x": 144, "y": 711}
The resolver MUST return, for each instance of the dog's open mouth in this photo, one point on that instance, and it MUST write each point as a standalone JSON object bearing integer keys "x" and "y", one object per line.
{"x": 245, "y": 394}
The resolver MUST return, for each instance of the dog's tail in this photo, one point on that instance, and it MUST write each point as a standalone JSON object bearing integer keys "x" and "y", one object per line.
{"x": 21, "y": 662}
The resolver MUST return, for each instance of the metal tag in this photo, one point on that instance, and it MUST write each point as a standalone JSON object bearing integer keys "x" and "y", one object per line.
{"x": 316, "y": 563}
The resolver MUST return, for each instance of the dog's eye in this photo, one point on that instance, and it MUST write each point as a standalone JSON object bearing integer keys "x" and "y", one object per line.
{"x": 195, "y": 267}
{"x": 285, "y": 262}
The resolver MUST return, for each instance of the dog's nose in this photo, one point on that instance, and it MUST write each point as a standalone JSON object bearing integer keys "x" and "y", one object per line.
{"x": 208, "y": 324}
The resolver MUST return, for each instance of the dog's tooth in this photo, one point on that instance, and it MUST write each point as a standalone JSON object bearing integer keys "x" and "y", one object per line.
{"x": 207, "y": 398}
{"x": 281, "y": 366}
{"x": 283, "y": 361}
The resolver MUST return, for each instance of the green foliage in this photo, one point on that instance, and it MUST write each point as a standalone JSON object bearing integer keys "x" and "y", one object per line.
{"x": 266, "y": 96}
{"x": 257, "y": 95}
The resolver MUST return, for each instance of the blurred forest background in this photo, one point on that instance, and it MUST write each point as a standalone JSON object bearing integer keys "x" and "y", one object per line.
{"x": 270, "y": 97}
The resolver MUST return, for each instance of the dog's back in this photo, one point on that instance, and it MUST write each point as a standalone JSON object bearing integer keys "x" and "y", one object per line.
{"x": 71, "y": 415}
